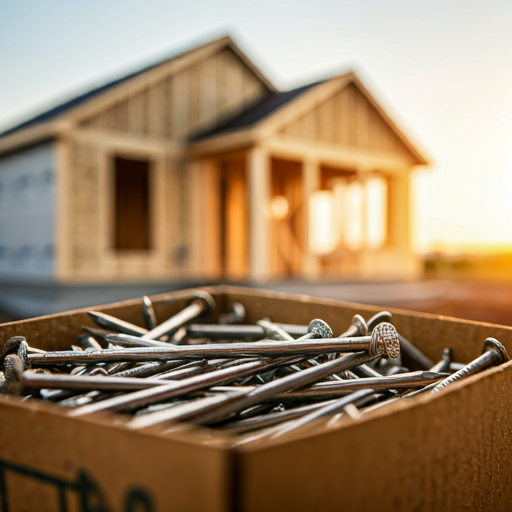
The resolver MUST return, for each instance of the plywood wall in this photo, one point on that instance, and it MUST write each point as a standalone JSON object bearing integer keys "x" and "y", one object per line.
{"x": 349, "y": 120}
{"x": 187, "y": 102}
{"x": 89, "y": 232}
{"x": 84, "y": 216}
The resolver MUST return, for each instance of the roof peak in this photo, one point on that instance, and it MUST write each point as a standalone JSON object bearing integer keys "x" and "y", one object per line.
{"x": 76, "y": 100}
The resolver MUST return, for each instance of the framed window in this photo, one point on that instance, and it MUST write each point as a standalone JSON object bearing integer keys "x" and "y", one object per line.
{"x": 132, "y": 219}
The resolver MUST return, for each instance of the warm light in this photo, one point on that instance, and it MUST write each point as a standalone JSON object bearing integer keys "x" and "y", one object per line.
{"x": 279, "y": 207}
{"x": 376, "y": 212}
{"x": 354, "y": 216}
{"x": 323, "y": 235}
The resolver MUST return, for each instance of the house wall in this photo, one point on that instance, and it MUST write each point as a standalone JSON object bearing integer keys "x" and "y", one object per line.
{"x": 152, "y": 122}
{"x": 27, "y": 214}
{"x": 88, "y": 234}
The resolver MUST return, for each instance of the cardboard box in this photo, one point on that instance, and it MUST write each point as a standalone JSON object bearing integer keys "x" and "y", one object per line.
{"x": 449, "y": 451}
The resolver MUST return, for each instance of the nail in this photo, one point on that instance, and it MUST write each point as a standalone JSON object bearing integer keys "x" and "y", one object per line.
{"x": 404, "y": 380}
{"x": 149, "y": 313}
{"x": 493, "y": 353}
{"x": 200, "y": 305}
{"x": 383, "y": 341}
{"x": 18, "y": 380}
{"x": 132, "y": 341}
{"x": 238, "y": 332}
{"x": 85, "y": 341}
{"x": 12, "y": 345}
{"x": 329, "y": 390}
{"x": 115, "y": 324}
{"x": 235, "y": 315}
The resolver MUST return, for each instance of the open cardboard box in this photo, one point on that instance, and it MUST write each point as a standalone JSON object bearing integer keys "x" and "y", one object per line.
{"x": 449, "y": 451}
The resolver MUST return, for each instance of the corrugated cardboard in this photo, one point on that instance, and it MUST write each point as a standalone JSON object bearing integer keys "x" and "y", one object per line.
{"x": 449, "y": 451}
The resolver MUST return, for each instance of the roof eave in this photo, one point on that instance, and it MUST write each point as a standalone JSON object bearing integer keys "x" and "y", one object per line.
{"x": 223, "y": 142}
{"x": 29, "y": 136}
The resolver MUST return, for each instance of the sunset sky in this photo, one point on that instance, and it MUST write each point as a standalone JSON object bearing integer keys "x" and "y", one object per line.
{"x": 442, "y": 69}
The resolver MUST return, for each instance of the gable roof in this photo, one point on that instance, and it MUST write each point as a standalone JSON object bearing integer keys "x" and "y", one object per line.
{"x": 274, "y": 110}
{"x": 69, "y": 105}
{"x": 258, "y": 112}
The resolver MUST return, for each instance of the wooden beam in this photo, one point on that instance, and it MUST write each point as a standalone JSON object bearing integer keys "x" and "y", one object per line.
{"x": 336, "y": 156}
{"x": 128, "y": 142}
{"x": 29, "y": 136}
{"x": 222, "y": 143}
{"x": 259, "y": 195}
{"x": 310, "y": 183}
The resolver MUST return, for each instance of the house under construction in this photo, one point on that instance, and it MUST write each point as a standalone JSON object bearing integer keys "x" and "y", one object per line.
{"x": 197, "y": 169}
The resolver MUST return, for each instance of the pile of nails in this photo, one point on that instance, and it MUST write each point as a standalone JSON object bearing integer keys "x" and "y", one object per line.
{"x": 258, "y": 380}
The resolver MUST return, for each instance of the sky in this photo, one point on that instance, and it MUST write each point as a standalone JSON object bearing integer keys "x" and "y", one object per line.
{"x": 442, "y": 69}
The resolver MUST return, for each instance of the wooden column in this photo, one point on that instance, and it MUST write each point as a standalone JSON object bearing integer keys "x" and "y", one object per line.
{"x": 362, "y": 176}
{"x": 398, "y": 210}
{"x": 196, "y": 208}
{"x": 258, "y": 171}
{"x": 310, "y": 183}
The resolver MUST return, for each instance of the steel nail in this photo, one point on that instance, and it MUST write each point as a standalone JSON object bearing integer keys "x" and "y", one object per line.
{"x": 200, "y": 305}
{"x": 383, "y": 341}
{"x": 493, "y": 353}
{"x": 238, "y": 332}
{"x": 131, "y": 341}
{"x": 115, "y": 324}
{"x": 149, "y": 313}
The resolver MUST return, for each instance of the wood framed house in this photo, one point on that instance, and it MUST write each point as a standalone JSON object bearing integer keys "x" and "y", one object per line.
{"x": 197, "y": 169}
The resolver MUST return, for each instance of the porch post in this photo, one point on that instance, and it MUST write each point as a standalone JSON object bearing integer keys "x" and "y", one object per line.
{"x": 310, "y": 183}
{"x": 258, "y": 174}
{"x": 398, "y": 211}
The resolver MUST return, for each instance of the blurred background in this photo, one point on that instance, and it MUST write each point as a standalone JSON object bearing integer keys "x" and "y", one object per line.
{"x": 354, "y": 150}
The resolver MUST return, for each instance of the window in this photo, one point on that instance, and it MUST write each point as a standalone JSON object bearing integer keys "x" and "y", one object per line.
{"x": 132, "y": 210}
